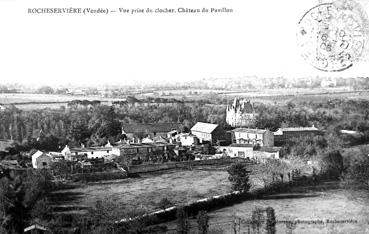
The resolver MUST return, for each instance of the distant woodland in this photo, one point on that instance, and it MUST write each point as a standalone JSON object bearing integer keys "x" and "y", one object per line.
{"x": 94, "y": 124}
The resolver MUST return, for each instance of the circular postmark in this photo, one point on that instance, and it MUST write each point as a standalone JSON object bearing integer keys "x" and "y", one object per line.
{"x": 331, "y": 36}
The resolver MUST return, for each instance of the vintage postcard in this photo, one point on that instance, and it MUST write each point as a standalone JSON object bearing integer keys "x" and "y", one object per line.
{"x": 182, "y": 117}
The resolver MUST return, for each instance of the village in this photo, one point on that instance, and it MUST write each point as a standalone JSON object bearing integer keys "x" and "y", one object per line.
{"x": 160, "y": 156}
{"x": 162, "y": 142}
{"x": 133, "y": 154}
{"x": 191, "y": 117}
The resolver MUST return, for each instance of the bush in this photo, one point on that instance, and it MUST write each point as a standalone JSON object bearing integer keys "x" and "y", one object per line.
{"x": 271, "y": 221}
{"x": 203, "y": 222}
{"x": 358, "y": 174}
{"x": 332, "y": 164}
{"x": 239, "y": 177}
{"x": 183, "y": 225}
{"x": 165, "y": 203}
{"x": 257, "y": 219}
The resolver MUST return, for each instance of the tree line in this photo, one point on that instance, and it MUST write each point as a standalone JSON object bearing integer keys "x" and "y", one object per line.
{"x": 95, "y": 124}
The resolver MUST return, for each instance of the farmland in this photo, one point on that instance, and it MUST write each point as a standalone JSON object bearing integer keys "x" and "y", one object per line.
{"x": 11, "y": 98}
{"x": 40, "y": 101}
{"x": 180, "y": 187}
{"x": 349, "y": 209}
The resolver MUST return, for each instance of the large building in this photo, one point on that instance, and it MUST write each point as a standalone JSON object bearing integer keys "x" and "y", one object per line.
{"x": 75, "y": 154}
{"x": 126, "y": 150}
{"x": 139, "y": 131}
{"x": 241, "y": 113}
{"x": 142, "y": 152}
{"x": 283, "y": 135}
{"x": 261, "y": 137}
{"x": 207, "y": 132}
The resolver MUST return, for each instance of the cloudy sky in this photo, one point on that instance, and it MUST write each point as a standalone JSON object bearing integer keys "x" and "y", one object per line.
{"x": 258, "y": 38}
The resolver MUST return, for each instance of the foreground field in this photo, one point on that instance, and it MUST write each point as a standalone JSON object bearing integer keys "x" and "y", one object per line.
{"x": 180, "y": 187}
{"x": 347, "y": 210}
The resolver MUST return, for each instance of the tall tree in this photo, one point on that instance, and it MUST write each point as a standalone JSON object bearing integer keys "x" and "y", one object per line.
{"x": 239, "y": 177}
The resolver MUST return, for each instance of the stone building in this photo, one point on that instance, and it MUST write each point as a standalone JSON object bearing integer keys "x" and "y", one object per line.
{"x": 207, "y": 132}
{"x": 283, "y": 135}
{"x": 241, "y": 113}
{"x": 261, "y": 137}
{"x": 41, "y": 160}
{"x": 247, "y": 151}
{"x": 138, "y": 130}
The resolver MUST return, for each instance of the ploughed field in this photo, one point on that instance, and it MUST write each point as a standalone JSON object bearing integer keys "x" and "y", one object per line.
{"x": 178, "y": 186}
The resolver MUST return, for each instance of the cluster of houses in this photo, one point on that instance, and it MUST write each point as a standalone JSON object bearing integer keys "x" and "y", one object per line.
{"x": 203, "y": 140}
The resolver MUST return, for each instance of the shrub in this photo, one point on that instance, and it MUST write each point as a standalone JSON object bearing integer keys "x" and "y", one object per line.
{"x": 239, "y": 177}
{"x": 203, "y": 222}
{"x": 183, "y": 225}
{"x": 332, "y": 164}
{"x": 271, "y": 221}
{"x": 358, "y": 174}
{"x": 165, "y": 203}
{"x": 257, "y": 219}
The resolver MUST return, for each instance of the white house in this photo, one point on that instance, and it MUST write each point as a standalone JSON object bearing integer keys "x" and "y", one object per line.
{"x": 267, "y": 153}
{"x": 187, "y": 139}
{"x": 237, "y": 151}
{"x": 41, "y": 160}
{"x": 208, "y": 132}
{"x": 89, "y": 152}
{"x": 247, "y": 151}
{"x": 262, "y": 137}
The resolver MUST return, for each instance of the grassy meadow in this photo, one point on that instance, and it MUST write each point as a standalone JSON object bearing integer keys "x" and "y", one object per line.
{"x": 179, "y": 186}
{"x": 349, "y": 209}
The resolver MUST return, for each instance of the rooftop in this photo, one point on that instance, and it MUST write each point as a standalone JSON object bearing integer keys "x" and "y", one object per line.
{"x": 241, "y": 145}
{"x": 297, "y": 129}
{"x": 204, "y": 127}
{"x": 249, "y": 130}
{"x": 142, "y": 145}
{"x": 83, "y": 149}
{"x": 269, "y": 149}
{"x": 150, "y": 128}
{"x": 38, "y": 153}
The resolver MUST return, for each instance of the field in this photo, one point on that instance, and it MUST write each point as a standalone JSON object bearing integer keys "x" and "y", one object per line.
{"x": 349, "y": 209}
{"x": 53, "y": 101}
{"x": 10, "y": 98}
{"x": 272, "y": 96}
{"x": 180, "y": 187}
{"x": 41, "y": 101}
{"x": 327, "y": 201}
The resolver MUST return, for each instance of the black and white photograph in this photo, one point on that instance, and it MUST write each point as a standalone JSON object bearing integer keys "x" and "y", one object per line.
{"x": 184, "y": 117}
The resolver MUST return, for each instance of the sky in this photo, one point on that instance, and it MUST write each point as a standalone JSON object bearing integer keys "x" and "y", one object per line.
{"x": 258, "y": 38}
